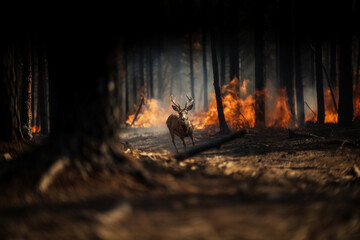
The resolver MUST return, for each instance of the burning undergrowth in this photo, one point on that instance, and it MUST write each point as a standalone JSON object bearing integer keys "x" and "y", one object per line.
{"x": 239, "y": 109}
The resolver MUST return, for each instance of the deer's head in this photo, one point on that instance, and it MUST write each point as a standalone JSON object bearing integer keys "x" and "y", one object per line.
{"x": 183, "y": 112}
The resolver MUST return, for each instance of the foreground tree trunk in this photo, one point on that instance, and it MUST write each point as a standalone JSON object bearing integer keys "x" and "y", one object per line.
{"x": 222, "y": 123}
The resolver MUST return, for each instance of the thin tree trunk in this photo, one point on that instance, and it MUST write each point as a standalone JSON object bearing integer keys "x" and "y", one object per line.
{"x": 150, "y": 73}
{"x": 222, "y": 58}
{"x": 204, "y": 49}
{"x": 26, "y": 115}
{"x": 234, "y": 56}
{"x": 44, "y": 94}
{"x": 134, "y": 85}
{"x": 319, "y": 83}
{"x": 259, "y": 71}
{"x": 222, "y": 123}
{"x": 333, "y": 61}
{"x": 126, "y": 66}
{"x": 191, "y": 57}
{"x": 159, "y": 71}
{"x": 35, "y": 87}
{"x": 299, "y": 84}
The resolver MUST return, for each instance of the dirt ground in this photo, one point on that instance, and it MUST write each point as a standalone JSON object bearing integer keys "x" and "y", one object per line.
{"x": 264, "y": 185}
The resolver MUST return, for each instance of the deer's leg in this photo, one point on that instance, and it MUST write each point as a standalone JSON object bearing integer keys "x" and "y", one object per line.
{"x": 192, "y": 139}
{"x": 182, "y": 139}
{"x": 173, "y": 141}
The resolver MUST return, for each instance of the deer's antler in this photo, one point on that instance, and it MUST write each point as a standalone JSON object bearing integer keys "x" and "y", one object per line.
{"x": 174, "y": 103}
{"x": 191, "y": 103}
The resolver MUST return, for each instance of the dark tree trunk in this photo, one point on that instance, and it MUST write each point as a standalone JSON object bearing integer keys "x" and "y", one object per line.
{"x": 319, "y": 83}
{"x": 299, "y": 84}
{"x": 159, "y": 71}
{"x": 141, "y": 68}
{"x": 26, "y": 114}
{"x": 9, "y": 96}
{"x": 191, "y": 58}
{"x": 204, "y": 49}
{"x": 150, "y": 73}
{"x": 35, "y": 86}
{"x": 333, "y": 61}
{"x": 222, "y": 58}
{"x": 126, "y": 76}
{"x": 286, "y": 52}
{"x": 222, "y": 123}
{"x": 259, "y": 70}
{"x": 134, "y": 78}
{"x": 234, "y": 56}
{"x": 346, "y": 76}
{"x": 44, "y": 93}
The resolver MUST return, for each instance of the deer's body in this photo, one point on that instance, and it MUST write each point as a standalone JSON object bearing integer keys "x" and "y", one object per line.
{"x": 179, "y": 124}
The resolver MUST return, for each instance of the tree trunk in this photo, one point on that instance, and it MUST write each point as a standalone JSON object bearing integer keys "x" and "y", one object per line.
{"x": 286, "y": 52}
{"x": 159, "y": 71}
{"x": 319, "y": 83}
{"x": 44, "y": 94}
{"x": 346, "y": 75}
{"x": 141, "y": 68}
{"x": 259, "y": 70}
{"x": 126, "y": 66}
{"x": 222, "y": 123}
{"x": 299, "y": 84}
{"x": 35, "y": 87}
{"x": 204, "y": 49}
{"x": 222, "y": 58}
{"x": 9, "y": 106}
{"x": 26, "y": 114}
{"x": 333, "y": 61}
{"x": 150, "y": 73}
{"x": 191, "y": 58}
{"x": 234, "y": 55}
{"x": 134, "y": 78}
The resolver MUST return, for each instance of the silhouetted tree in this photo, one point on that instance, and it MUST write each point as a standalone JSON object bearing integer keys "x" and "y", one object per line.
{"x": 204, "y": 49}
{"x": 319, "y": 82}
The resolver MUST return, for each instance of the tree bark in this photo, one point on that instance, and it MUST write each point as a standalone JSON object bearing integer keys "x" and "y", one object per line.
{"x": 286, "y": 52}
{"x": 159, "y": 71}
{"x": 319, "y": 83}
{"x": 204, "y": 49}
{"x": 299, "y": 84}
{"x": 259, "y": 70}
{"x": 150, "y": 73}
{"x": 26, "y": 115}
{"x": 126, "y": 66}
{"x": 9, "y": 106}
{"x": 191, "y": 59}
{"x": 333, "y": 61}
{"x": 222, "y": 123}
{"x": 44, "y": 94}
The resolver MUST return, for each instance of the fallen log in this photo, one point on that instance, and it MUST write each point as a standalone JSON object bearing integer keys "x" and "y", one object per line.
{"x": 215, "y": 143}
{"x": 293, "y": 134}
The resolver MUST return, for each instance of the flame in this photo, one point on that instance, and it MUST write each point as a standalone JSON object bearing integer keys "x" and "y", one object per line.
{"x": 356, "y": 99}
{"x": 281, "y": 116}
{"x": 238, "y": 112}
{"x": 35, "y": 129}
{"x": 151, "y": 115}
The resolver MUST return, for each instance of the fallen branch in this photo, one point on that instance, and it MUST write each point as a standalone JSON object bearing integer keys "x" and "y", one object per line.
{"x": 215, "y": 143}
{"x": 293, "y": 134}
{"x": 310, "y": 109}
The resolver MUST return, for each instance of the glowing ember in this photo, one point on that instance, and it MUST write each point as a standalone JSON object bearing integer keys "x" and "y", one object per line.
{"x": 35, "y": 129}
{"x": 238, "y": 112}
{"x": 356, "y": 100}
{"x": 151, "y": 115}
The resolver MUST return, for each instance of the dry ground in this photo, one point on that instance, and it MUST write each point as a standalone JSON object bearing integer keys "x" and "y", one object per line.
{"x": 264, "y": 185}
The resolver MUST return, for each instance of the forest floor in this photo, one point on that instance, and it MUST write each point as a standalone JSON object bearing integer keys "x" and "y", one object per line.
{"x": 264, "y": 185}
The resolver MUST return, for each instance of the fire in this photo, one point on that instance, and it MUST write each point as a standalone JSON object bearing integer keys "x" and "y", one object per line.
{"x": 151, "y": 115}
{"x": 238, "y": 112}
{"x": 356, "y": 99}
{"x": 282, "y": 115}
{"x": 35, "y": 129}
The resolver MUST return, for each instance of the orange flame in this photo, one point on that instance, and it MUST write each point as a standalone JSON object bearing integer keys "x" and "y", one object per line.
{"x": 151, "y": 115}
{"x": 282, "y": 115}
{"x": 35, "y": 129}
{"x": 238, "y": 112}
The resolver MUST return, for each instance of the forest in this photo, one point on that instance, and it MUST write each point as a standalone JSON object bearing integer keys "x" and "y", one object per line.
{"x": 181, "y": 119}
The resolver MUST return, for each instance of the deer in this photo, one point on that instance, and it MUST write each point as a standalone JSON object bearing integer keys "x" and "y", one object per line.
{"x": 179, "y": 124}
